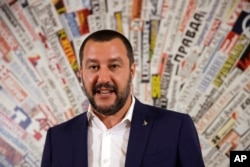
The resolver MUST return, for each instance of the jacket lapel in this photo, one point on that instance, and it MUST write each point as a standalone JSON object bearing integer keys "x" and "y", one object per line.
{"x": 141, "y": 126}
{"x": 79, "y": 138}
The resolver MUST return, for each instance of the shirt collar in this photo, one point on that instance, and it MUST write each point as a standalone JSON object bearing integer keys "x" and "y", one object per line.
{"x": 128, "y": 116}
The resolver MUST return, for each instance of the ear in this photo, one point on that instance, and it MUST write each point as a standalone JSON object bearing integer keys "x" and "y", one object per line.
{"x": 79, "y": 73}
{"x": 133, "y": 70}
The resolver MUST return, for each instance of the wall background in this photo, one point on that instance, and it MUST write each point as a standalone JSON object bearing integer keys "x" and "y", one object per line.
{"x": 192, "y": 56}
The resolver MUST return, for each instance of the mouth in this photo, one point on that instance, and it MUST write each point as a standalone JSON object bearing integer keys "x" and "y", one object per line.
{"x": 104, "y": 91}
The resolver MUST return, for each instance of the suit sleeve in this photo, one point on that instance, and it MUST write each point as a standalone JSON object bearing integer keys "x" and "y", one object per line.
{"x": 189, "y": 149}
{"x": 47, "y": 156}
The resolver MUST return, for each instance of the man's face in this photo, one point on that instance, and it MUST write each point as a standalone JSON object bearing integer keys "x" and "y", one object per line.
{"x": 106, "y": 75}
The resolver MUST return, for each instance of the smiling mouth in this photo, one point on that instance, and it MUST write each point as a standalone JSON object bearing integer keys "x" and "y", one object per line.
{"x": 104, "y": 92}
{"x": 104, "y": 89}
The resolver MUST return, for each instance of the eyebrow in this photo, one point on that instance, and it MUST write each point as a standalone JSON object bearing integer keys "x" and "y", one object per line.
{"x": 90, "y": 60}
{"x": 117, "y": 59}
{"x": 93, "y": 60}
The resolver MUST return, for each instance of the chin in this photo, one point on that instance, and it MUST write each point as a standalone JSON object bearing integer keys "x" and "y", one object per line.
{"x": 104, "y": 104}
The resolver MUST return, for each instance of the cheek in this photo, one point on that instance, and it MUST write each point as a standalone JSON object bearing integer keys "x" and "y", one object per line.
{"x": 122, "y": 80}
{"x": 88, "y": 80}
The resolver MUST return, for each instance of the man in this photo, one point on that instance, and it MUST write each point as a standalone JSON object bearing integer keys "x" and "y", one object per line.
{"x": 118, "y": 130}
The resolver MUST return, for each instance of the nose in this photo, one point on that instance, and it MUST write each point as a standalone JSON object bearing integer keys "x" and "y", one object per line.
{"x": 103, "y": 75}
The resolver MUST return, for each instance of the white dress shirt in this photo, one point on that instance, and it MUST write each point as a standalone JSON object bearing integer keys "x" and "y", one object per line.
{"x": 108, "y": 147}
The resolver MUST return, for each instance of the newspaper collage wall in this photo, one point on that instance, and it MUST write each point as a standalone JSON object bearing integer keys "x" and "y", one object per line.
{"x": 192, "y": 56}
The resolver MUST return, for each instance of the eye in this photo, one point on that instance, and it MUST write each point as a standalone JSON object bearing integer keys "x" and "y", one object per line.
{"x": 93, "y": 67}
{"x": 114, "y": 66}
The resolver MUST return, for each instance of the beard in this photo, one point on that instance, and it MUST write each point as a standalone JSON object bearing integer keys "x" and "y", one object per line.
{"x": 121, "y": 97}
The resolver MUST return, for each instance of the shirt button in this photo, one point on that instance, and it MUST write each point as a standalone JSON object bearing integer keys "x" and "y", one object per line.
{"x": 107, "y": 133}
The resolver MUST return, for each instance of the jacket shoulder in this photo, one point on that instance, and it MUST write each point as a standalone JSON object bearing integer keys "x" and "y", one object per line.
{"x": 71, "y": 123}
{"x": 161, "y": 112}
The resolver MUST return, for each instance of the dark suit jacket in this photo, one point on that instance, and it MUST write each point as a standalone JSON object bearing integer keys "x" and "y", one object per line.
{"x": 168, "y": 140}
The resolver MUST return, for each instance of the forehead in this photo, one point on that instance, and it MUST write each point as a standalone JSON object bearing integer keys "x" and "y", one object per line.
{"x": 104, "y": 49}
